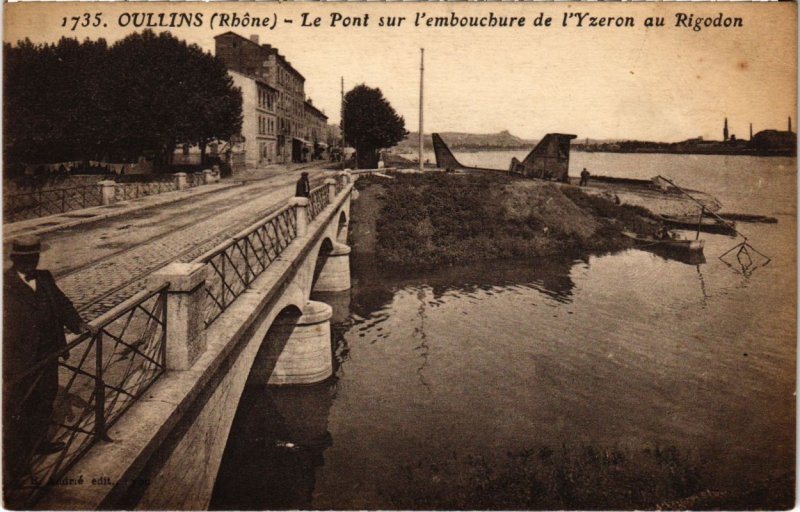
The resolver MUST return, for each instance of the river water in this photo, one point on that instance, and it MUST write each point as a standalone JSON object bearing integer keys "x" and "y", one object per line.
{"x": 444, "y": 376}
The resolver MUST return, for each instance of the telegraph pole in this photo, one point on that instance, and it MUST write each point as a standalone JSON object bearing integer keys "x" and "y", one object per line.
{"x": 343, "y": 144}
{"x": 421, "y": 72}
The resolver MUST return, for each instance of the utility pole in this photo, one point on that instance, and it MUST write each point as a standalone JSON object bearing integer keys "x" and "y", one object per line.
{"x": 342, "y": 115}
{"x": 421, "y": 72}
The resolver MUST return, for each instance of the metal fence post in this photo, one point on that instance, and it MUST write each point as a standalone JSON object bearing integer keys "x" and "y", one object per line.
{"x": 99, "y": 390}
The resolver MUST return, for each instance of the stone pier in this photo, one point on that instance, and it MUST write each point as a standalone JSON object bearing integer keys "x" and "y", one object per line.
{"x": 307, "y": 356}
{"x": 335, "y": 273}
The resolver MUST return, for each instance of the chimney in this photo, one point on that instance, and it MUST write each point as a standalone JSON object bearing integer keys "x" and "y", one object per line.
{"x": 751, "y": 131}
{"x": 790, "y": 124}
{"x": 309, "y": 101}
{"x": 254, "y": 38}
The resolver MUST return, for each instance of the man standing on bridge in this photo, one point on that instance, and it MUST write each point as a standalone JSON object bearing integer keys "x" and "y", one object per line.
{"x": 35, "y": 312}
{"x": 303, "y": 186}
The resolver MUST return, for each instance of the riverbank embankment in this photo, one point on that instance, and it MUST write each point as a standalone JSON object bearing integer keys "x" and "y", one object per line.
{"x": 429, "y": 220}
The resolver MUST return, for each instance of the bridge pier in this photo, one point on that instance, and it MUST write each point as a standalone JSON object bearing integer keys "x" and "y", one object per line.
{"x": 307, "y": 356}
{"x": 339, "y": 301}
{"x": 335, "y": 273}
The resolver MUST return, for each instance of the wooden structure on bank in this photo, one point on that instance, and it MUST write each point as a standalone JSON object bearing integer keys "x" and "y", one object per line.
{"x": 549, "y": 160}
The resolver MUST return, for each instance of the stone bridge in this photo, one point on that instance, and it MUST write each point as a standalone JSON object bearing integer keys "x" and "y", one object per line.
{"x": 240, "y": 313}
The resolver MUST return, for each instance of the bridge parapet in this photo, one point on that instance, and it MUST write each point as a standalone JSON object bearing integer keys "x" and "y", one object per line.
{"x": 243, "y": 284}
{"x": 102, "y": 376}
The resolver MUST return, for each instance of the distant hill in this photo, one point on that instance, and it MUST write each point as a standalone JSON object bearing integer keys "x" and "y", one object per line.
{"x": 466, "y": 141}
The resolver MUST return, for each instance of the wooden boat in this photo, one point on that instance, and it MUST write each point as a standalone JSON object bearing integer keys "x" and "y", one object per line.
{"x": 746, "y": 217}
{"x": 706, "y": 224}
{"x": 672, "y": 244}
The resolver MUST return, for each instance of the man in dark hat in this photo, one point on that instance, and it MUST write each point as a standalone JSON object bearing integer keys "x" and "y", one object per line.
{"x": 35, "y": 312}
{"x": 303, "y": 186}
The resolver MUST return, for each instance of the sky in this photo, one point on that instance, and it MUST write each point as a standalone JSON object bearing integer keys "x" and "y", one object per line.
{"x": 668, "y": 83}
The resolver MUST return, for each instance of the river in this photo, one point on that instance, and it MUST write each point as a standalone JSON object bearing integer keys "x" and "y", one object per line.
{"x": 446, "y": 381}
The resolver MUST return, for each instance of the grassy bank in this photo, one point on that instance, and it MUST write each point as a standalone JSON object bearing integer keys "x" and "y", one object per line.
{"x": 432, "y": 219}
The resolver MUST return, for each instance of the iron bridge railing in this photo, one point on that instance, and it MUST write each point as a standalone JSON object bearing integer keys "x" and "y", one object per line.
{"x": 317, "y": 201}
{"x": 236, "y": 264}
{"x": 100, "y": 376}
{"x": 31, "y": 205}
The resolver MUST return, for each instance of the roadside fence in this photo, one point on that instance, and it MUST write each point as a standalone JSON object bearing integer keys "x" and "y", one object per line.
{"x": 43, "y": 202}
{"x": 18, "y": 206}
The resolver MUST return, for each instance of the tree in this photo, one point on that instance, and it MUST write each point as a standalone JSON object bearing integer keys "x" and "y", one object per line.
{"x": 145, "y": 94}
{"x": 169, "y": 92}
{"x": 54, "y": 95}
{"x": 371, "y": 124}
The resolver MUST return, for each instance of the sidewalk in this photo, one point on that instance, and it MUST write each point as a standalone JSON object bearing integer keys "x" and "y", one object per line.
{"x": 279, "y": 169}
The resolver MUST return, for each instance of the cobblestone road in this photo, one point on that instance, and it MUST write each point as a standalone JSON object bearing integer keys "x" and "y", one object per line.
{"x": 99, "y": 265}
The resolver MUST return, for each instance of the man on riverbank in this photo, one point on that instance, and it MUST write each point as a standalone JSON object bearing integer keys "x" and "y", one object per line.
{"x": 584, "y": 178}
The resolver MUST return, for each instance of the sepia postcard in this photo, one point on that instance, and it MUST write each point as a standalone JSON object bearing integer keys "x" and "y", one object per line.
{"x": 399, "y": 256}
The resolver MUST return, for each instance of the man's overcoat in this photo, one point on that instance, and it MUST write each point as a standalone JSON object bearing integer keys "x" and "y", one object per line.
{"x": 33, "y": 330}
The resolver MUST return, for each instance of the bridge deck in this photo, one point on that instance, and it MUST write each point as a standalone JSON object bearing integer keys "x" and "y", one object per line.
{"x": 101, "y": 264}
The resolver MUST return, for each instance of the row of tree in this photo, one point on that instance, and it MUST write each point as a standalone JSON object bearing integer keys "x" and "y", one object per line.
{"x": 143, "y": 95}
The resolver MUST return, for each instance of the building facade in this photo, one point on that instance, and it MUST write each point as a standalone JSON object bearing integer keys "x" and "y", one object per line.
{"x": 316, "y": 123}
{"x": 264, "y": 63}
{"x": 259, "y": 119}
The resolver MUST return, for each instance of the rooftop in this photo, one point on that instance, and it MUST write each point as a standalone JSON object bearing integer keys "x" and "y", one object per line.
{"x": 266, "y": 48}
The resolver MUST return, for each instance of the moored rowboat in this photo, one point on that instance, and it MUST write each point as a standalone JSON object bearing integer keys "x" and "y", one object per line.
{"x": 666, "y": 243}
{"x": 707, "y": 224}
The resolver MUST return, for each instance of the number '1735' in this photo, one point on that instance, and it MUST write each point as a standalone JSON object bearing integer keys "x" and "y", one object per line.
{"x": 84, "y": 20}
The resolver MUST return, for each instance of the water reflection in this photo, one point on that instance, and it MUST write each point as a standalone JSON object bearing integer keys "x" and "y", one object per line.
{"x": 276, "y": 444}
{"x": 341, "y": 321}
{"x": 422, "y": 347}
{"x": 682, "y": 256}
{"x": 279, "y": 434}
{"x": 373, "y": 290}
